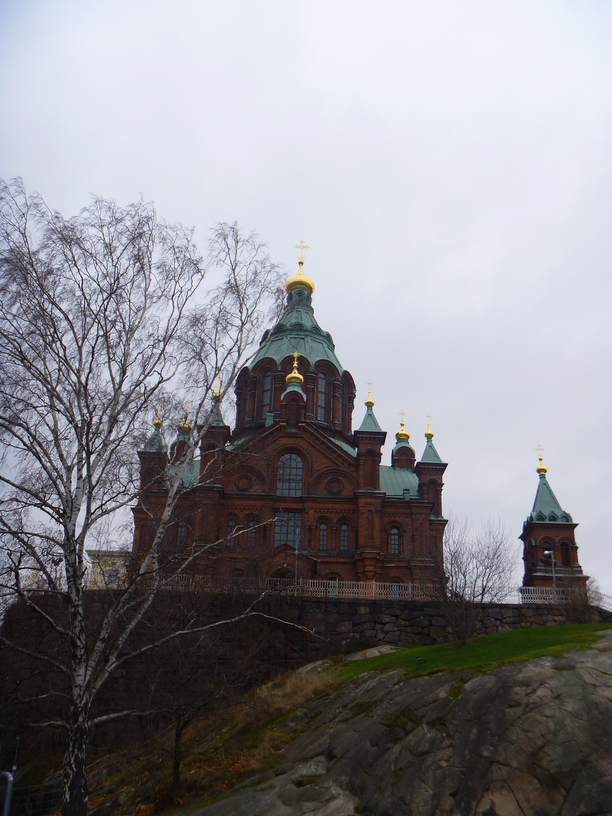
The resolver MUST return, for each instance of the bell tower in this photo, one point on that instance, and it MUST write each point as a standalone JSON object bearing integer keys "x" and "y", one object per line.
{"x": 550, "y": 552}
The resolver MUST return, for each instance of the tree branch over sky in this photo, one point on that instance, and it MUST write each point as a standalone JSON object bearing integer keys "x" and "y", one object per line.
{"x": 104, "y": 316}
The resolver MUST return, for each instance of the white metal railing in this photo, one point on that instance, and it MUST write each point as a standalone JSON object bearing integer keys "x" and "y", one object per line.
{"x": 364, "y": 590}
{"x": 303, "y": 587}
{"x": 560, "y": 595}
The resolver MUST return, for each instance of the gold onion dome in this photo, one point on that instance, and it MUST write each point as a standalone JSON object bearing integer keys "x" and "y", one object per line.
{"x": 184, "y": 427}
{"x": 300, "y": 281}
{"x": 295, "y": 376}
{"x": 541, "y": 468}
{"x": 157, "y": 422}
{"x": 429, "y": 434}
{"x": 370, "y": 402}
{"x": 402, "y": 434}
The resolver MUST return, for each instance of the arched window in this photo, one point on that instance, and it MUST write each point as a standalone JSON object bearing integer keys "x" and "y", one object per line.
{"x": 323, "y": 537}
{"x": 181, "y": 535}
{"x": 344, "y": 535}
{"x": 322, "y": 397}
{"x": 565, "y": 554}
{"x": 394, "y": 541}
{"x": 251, "y": 534}
{"x": 289, "y": 475}
{"x": 231, "y": 526}
{"x": 266, "y": 394}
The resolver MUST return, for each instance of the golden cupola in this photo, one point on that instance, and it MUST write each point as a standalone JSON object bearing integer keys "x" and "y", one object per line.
{"x": 300, "y": 281}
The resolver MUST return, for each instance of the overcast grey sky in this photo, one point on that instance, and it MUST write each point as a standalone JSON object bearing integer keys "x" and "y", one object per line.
{"x": 448, "y": 163}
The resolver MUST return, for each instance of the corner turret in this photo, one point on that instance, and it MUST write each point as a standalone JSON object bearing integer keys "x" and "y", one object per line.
{"x": 430, "y": 471}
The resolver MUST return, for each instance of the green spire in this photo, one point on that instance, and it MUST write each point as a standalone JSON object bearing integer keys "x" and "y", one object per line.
{"x": 546, "y": 506}
{"x": 430, "y": 454}
{"x": 370, "y": 423}
{"x": 217, "y": 417}
{"x": 155, "y": 443}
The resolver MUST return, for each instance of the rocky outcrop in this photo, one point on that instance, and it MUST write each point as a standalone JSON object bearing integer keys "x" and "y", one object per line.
{"x": 533, "y": 739}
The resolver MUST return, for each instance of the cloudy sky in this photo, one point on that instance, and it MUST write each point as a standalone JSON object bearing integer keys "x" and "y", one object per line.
{"x": 448, "y": 163}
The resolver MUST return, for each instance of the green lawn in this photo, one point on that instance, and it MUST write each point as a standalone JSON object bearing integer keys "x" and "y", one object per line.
{"x": 483, "y": 652}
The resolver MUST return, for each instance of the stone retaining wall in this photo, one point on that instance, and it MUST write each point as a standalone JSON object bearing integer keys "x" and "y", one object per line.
{"x": 353, "y": 624}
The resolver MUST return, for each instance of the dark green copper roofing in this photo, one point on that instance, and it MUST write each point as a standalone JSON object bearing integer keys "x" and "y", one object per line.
{"x": 399, "y": 482}
{"x": 403, "y": 443}
{"x": 430, "y": 454}
{"x": 297, "y": 330}
{"x": 217, "y": 417}
{"x": 370, "y": 423}
{"x": 546, "y": 506}
{"x": 154, "y": 443}
{"x": 294, "y": 387}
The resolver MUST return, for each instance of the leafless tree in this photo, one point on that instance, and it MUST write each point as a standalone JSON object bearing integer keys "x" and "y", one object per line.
{"x": 476, "y": 568}
{"x": 97, "y": 327}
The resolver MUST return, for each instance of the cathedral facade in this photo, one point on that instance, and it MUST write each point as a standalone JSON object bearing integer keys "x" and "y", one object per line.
{"x": 294, "y": 489}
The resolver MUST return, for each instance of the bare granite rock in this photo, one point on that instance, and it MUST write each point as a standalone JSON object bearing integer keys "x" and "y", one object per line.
{"x": 533, "y": 739}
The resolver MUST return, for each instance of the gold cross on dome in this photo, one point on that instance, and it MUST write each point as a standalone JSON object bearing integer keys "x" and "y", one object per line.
{"x": 295, "y": 356}
{"x": 540, "y": 451}
{"x": 402, "y": 414}
{"x": 301, "y": 246}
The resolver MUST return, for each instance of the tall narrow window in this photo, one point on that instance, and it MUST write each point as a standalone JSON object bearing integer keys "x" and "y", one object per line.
{"x": 344, "y": 537}
{"x": 323, "y": 537}
{"x": 251, "y": 534}
{"x": 321, "y": 397}
{"x": 289, "y": 475}
{"x": 288, "y": 529}
{"x": 341, "y": 406}
{"x": 266, "y": 394}
{"x": 231, "y": 526}
{"x": 395, "y": 541}
{"x": 181, "y": 535}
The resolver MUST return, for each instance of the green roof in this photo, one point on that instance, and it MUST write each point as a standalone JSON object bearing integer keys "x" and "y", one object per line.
{"x": 394, "y": 481}
{"x": 370, "y": 423}
{"x": 430, "y": 454}
{"x": 297, "y": 330}
{"x": 403, "y": 443}
{"x": 154, "y": 443}
{"x": 546, "y": 506}
{"x": 345, "y": 446}
{"x": 217, "y": 417}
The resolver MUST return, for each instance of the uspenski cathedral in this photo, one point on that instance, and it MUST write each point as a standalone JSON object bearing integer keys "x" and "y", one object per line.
{"x": 295, "y": 490}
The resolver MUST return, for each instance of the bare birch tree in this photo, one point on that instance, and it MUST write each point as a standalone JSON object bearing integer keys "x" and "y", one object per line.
{"x": 477, "y": 568}
{"x": 97, "y": 325}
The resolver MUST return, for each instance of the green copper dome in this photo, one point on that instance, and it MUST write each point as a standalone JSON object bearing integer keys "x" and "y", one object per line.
{"x": 297, "y": 330}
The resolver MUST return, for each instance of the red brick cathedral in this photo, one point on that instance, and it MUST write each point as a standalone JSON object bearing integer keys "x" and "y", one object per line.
{"x": 294, "y": 489}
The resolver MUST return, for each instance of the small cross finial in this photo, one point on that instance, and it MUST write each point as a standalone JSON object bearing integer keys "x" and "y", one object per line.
{"x": 428, "y": 432}
{"x": 370, "y": 402}
{"x": 541, "y": 468}
{"x": 295, "y": 356}
{"x": 402, "y": 414}
{"x": 301, "y": 246}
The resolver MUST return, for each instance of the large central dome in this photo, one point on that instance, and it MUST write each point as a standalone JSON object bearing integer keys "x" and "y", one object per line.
{"x": 297, "y": 330}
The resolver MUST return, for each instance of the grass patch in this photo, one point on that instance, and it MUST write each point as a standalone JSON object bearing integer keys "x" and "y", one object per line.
{"x": 482, "y": 653}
